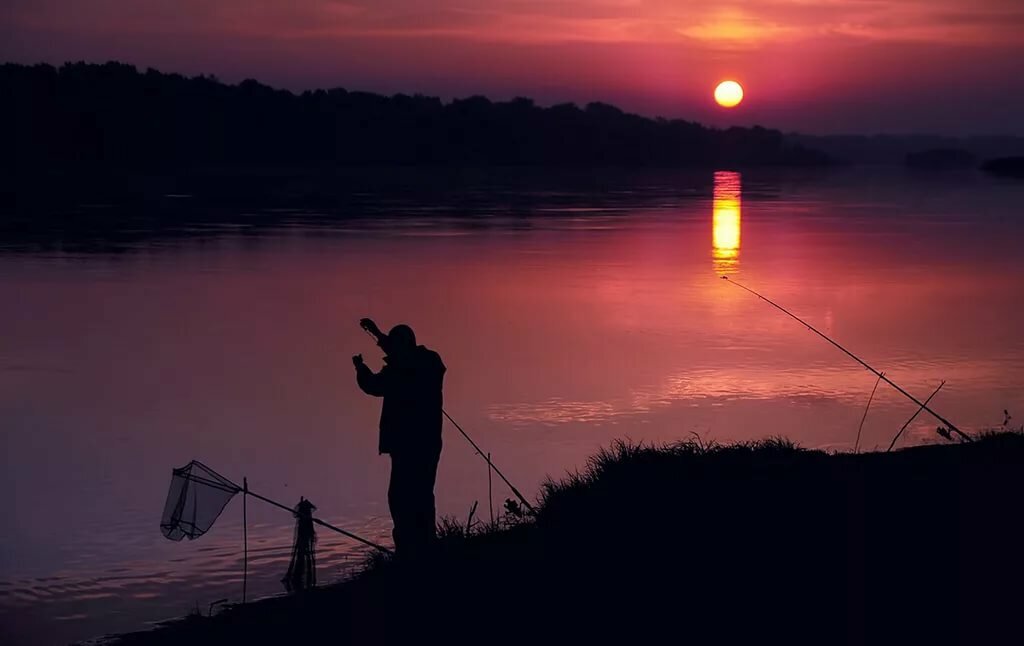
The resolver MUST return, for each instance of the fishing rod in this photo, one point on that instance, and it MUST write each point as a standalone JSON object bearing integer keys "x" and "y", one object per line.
{"x": 322, "y": 523}
{"x": 487, "y": 459}
{"x": 485, "y": 456}
{"x": 923, "y": 405}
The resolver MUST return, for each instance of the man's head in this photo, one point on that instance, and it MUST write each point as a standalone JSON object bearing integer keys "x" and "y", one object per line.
{"x": 400, "y": 340}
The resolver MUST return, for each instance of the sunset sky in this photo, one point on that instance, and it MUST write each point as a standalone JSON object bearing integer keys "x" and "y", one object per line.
{"x": 863, "y": 66}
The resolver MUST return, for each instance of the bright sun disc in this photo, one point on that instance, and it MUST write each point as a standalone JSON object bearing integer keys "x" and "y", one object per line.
{"x": 728, "y": 94}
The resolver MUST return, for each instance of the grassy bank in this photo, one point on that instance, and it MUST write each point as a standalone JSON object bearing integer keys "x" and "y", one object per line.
{"x": 762, "y": 542}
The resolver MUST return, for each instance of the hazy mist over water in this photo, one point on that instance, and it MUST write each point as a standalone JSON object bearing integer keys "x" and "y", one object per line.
{"x": 578, "y": 321}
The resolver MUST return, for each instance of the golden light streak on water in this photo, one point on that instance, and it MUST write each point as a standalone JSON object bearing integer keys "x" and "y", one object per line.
{"x": 726, "y": 209}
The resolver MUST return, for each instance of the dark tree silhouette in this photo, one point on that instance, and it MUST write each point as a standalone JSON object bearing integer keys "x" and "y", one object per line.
{"x": 113, "y": 115}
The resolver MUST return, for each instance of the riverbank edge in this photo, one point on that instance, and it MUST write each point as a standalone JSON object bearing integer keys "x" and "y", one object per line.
{"x": 567, "y": 508}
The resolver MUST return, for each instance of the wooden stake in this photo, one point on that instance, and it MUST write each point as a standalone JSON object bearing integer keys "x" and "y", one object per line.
{"x": 856, "y": 445}
{"x": 490, "y": 496}
{"x": 469, "y": 521}
{"x": 245, "y": 538}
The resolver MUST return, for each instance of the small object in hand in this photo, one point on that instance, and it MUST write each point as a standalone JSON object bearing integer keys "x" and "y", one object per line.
{"x": 368, "y": 325}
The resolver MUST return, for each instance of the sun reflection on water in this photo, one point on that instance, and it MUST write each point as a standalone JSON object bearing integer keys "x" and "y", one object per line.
{"x": 725, "y": 222}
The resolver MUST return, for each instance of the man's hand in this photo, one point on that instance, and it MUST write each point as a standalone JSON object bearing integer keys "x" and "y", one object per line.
{"x": 370, "y": 326}
{"x": 357, "y": 360}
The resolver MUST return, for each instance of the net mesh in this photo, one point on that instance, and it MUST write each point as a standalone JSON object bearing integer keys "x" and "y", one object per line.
{"x": 302, "y": 568}
{"x": 197, "y": 496}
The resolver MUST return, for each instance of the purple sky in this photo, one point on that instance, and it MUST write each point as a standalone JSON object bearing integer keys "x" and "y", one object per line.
{"x": 946, "y": 66}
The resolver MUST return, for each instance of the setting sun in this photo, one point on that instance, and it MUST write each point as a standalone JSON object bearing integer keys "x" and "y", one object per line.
{"x": 728, "y": 94}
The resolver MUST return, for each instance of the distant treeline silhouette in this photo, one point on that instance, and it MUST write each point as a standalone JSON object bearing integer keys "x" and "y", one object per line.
{"x": 114, "y": 115}
{"x": 920, "y": 150}
{"x": 1005, "y": 166}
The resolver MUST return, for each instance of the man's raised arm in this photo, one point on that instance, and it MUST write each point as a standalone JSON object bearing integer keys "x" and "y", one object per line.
{"x": 371, "y": 327}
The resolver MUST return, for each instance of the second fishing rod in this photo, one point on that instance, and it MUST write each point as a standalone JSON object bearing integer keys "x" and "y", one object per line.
{"x": 923, "y": 405}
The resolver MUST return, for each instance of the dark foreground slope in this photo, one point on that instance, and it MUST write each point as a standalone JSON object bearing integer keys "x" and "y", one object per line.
{"x": 760, "y": 543}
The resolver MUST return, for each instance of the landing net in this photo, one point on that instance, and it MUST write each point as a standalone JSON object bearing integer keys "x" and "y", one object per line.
{"x": 197, "y": 496}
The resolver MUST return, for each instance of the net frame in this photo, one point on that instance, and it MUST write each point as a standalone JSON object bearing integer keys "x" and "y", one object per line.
{"x": 191, "y": 489}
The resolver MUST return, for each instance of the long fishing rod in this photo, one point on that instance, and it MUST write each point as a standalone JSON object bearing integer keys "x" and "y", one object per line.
{"x": 486, "y": 456}
{"x": 246, "y": 491}
{"x": 923, "y": 405}
{"x": 321, "y": 522}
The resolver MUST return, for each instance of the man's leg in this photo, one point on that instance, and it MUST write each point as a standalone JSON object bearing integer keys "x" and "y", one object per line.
{"x": 422, "y": 496}
{"x": 398, "y": 501}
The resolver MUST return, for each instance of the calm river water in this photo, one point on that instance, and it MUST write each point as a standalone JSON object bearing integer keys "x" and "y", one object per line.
{"x": 566, "y": 319}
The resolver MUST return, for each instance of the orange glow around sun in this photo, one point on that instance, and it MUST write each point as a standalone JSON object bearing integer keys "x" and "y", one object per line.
{"x": 728, "y": 94}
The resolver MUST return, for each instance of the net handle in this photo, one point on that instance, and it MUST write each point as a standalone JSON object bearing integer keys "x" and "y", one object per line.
{"x": 245, "y": 491}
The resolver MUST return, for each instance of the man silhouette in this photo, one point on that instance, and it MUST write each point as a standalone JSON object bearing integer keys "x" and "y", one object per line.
{"x": 410, "y": 429}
